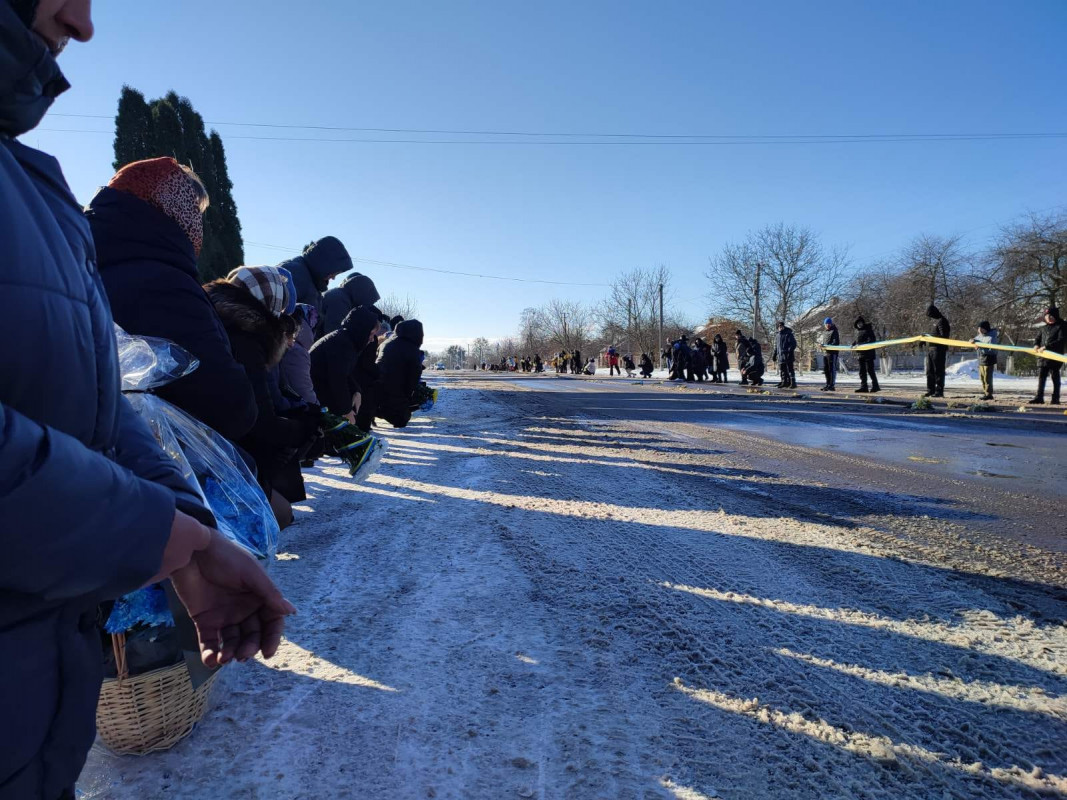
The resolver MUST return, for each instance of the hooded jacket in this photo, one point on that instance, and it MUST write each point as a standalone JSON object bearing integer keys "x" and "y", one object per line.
{"x": 400, "y": 364}
{"x": 864, "y": 335}
{"x": 259, "y": 340}
{"x": 87, "y": 497}
{"x": 148, "y": 267}
{"x": 334, "y": 359}
{"x": 941, "y": 327}
{"x": 356, "y": 290}
{"x": 311, "y": 270}
{"x": 785, "y": 345}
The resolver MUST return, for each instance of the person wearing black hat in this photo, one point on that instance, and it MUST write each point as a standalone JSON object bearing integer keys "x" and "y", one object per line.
{"x": 987, "y": 358}
{"x": 1052, "y": 337}
{"x": 865, "y": 335}
{"x": 936, "y": 354}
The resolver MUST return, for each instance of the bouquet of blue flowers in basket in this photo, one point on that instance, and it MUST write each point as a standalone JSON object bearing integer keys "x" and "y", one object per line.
{"x": 209, "y": 462}
{"x": 361, "y": 451}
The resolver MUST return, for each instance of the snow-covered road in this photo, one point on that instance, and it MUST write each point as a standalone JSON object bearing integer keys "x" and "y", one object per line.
{"x": 532, "y": 599}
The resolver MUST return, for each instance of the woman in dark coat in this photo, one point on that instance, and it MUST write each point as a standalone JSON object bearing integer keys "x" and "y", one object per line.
{"x": 148, "y": 229}
{"x": 334, "y": 360}
{"x": 721, "y": 358}
{"x": 253, "y": 303}
{"x": 400, "y": 362}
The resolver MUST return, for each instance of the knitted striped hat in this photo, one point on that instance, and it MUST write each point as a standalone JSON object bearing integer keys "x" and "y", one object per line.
{"x": 273, "y": 286}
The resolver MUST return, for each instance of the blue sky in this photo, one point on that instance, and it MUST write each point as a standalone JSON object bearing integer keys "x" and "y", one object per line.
{"x": 585, "y": 213}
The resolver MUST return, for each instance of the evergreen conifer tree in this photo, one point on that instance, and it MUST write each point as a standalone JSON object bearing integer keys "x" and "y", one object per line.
{"x": 170, "y": 126}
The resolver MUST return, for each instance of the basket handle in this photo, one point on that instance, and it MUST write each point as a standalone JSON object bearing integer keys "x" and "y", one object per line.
{"x": 118, "y": 647}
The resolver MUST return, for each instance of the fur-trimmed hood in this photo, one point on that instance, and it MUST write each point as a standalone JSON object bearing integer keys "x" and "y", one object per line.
{"x": 240, "y": 312}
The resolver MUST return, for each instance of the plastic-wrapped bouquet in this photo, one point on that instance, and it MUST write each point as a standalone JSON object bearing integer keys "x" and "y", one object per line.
{"x": 209, "y": 462}
{"x": 362, "y": 451}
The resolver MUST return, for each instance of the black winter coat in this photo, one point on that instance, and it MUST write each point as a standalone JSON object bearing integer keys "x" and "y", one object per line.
{"x": 148, "y": 268}
{"x": 785, "y": 346}
{"x": 400, "y": 363}
{"x": 259, "y": 340}
{"x": 721, "y": 359}
{"x": 865, "y": 335}
{"x": 942, "y": 330}
{"x": 1052, "y": 337}
{"x": 335, "y": 359}
{"x": 356, "y": 290}
{"x": 87, "y": 497}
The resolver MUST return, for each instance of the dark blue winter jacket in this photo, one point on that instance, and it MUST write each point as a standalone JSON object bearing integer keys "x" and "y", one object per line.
{"x": 86, "y": 496}
{"x": 148, "y": 267}
{"x": 312, "y": 270}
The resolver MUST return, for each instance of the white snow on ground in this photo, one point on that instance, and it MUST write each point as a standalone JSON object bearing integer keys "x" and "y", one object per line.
{"x": 521, "y": 605}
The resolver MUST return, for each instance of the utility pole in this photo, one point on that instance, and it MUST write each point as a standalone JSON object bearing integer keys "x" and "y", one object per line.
{"x": 755, "y": 302}
{"x": 629, "y": 325}
{"x": 660, "y": 345}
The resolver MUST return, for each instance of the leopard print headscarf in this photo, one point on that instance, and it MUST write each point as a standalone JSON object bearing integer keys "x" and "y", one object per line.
{"x": 163, "y": 184}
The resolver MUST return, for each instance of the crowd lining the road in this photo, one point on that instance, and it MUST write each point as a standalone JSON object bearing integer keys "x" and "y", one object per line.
{"x": 699, "y": 361}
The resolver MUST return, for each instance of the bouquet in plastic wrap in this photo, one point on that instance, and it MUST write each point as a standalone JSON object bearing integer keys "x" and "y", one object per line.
{"x": 209, "y": 462}
{"x": 424, "y": 398}
{"x": 362, "y": 451}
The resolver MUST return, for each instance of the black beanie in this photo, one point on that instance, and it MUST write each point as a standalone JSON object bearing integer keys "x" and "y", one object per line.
{"x": 932, "y": 312}
{"x": 1053, "y": 312}
{"x": 984, "y": 326}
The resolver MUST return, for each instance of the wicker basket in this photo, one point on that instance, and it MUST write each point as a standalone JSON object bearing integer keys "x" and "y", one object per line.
{"x": 148, "y": 712}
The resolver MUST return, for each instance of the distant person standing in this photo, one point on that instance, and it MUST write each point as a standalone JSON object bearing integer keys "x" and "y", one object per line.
{"x": 987, "y": 358}
{"x": 785, "y": 349}
{"x": 613, "y": 362}
{"x": 1052, "y": 337}
{"x": 829, "y": 337}
{"x": 720, "y": 354}
{"x": 936, "y": 354}
{"x": 865, "y": 335}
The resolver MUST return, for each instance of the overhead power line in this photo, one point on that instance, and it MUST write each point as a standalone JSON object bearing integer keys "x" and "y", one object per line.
{"x": 570, "y": 137}
{"x": 412, "y": 267}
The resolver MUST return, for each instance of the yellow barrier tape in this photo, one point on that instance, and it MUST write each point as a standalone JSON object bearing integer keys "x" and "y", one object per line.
{"x": 950, "y": 343}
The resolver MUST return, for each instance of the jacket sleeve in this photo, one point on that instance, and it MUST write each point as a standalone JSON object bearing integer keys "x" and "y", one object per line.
{"x": 73, "y": 522}
{"x": 296, "y": 374}
{"x": 217, "y": 392}
{"x": 269, "y": 427}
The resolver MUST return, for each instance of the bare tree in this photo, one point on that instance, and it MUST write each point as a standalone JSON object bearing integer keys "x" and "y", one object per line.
{"x": 480, "y": 350}
{"x": 393, "y": 305}
{"x": 1029, "y": 263}
{"x": 566, "y": 324}
{"x": 934, "y": 263}
{"x": 796, "y": 273}
{"x": 630, "y": 313}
